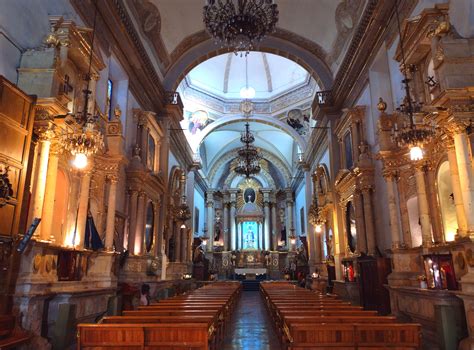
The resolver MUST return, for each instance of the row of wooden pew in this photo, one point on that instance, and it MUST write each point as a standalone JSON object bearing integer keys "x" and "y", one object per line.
{"x": 196, "y": 320}
{"x": 307, "y": 320}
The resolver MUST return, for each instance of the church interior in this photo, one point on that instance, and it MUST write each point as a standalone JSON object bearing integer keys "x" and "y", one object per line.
{"x": 236, "y": 174}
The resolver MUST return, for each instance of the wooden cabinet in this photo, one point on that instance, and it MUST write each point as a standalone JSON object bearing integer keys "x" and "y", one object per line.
{"x": 372, "y": 276}
{"x": 16, "y": 126}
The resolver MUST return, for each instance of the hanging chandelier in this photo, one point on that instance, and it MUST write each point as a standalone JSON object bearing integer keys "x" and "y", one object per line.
{"x": 248, "y": 159}
{"x": 182, "y": 212}
{"x": 415, "y": 132}
{"x": 314, "y": 216}
{"x": 240, "y": 24}
{"x": 85, "y": 139}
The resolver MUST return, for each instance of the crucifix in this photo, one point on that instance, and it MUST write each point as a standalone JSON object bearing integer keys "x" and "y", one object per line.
{"x": 67, "y": 87}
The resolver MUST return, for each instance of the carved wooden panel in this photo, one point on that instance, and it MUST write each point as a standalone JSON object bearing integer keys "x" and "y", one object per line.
{"x": 16, "y": 125}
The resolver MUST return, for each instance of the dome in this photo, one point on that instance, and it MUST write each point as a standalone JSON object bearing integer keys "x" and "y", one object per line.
{"x": 269, "y": 76}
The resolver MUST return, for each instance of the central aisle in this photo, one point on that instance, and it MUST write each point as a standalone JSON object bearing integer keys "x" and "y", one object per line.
{"x": 250, "y": 328}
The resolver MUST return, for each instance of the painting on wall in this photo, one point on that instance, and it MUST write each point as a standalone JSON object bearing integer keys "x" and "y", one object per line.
{"x": 197, "y": 121}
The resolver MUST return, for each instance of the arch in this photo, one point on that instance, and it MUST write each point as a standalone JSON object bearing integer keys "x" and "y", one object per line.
{"x": 199, "y": 47}
{"x": 257, "y": 119}
{"x": 227, "y": 157}
{"x": 263, "y": 177}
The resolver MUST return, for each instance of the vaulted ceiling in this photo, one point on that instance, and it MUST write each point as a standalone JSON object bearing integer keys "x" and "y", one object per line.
{"x": 321, "y": 28}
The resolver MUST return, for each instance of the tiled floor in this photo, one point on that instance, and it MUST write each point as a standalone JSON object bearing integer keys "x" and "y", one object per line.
{"x": 250, "y": 327}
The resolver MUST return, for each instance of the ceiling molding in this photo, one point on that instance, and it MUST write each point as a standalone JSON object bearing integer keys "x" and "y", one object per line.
{"x": 267, "y": 72}
{"x": 226, "y": 72}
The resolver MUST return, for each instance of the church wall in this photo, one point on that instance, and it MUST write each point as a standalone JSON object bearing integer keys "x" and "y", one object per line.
{"x": 300, "y": 203}
{"x": 25, "y": 23}
{"x": 199, "y": 203}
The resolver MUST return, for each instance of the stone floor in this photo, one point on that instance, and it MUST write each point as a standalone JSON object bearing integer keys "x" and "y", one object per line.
{"x": 250, "y": 328}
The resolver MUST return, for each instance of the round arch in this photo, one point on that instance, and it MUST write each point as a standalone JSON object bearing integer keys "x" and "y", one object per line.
{"x": 258, "y": 119}
{"x": 286, "y": 44}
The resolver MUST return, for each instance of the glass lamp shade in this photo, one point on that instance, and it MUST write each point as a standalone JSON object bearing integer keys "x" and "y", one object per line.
{"x": 416, "y": 153}
{"x": 80, "y": 161}
{"x": 247, "y": 93}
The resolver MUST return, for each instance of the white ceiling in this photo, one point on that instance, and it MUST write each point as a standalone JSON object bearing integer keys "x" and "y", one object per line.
{"x": 312, "y": 19}
{"x": 270, "y": 75}
{"x": 227, "y": 138}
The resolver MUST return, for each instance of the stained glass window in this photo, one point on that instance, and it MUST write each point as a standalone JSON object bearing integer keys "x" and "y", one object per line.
{"x": 110, "y": 87}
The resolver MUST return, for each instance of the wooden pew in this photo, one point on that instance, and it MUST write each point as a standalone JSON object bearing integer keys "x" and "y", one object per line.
{"x": 179, "y": 336}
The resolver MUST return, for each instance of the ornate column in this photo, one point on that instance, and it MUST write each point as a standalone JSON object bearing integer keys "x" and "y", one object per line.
{"x": 390, "y": 177}
{"x": 466, "y": 175}
{"x": 47, "y": 232}
{"x": 369, "y": 220}
{"x": 457, "y": 192}
{"x": 423, "y": 206}
{"x": 225, "y": 219}
{"x": 140, "y": 223}
{"x": 38, "y": 197}
{"x": 233, "y": 236}
{"x": 110, "y": 222}
{"x": 184, "y": 244}
{"x": 82, "y": 211}
{"x": 266, "y": 212}
{"x": 360, "y": 227}
{"x": 158, "y": 234}
{"x": 177, "y": 243}
{"x": 274, "y": 227}
{"x": 405, "y": 219}
{"x": 260, "y": 236}
{"x": 289, "y": 216}
{"x": 210, "y": 219}
{"x": 132, "y": 221}
{"x": 433, "y": 205}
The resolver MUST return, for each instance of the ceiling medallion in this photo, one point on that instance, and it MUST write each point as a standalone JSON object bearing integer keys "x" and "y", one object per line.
{"x": 240, "y": 24}
{"x": 415, "y": 132}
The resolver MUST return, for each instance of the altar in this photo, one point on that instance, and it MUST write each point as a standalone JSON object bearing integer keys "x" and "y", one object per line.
{"x": 250, "y": 273}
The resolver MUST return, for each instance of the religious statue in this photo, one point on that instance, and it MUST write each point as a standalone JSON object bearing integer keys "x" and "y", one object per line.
{"x": 198, "y": 255}
{"x": 268, "y": 259}
{"x": 233, "y": 258}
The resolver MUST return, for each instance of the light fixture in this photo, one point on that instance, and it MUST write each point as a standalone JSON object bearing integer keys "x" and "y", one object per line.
{"x": 247, "y": 92}
{"x": 416, "y": 153}
{"x": 314, "y": 216}
{"x": 85, "y": 139}
{"x": 414, "y": 132}
{"x": 240, "y": 24}
{"x": 248, "y": 158}
{"x": 182, "y": 212}
{"x": 318, "y": 228}
{"x": 80, "y": 161}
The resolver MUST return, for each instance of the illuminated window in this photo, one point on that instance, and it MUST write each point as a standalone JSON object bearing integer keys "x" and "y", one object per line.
{"x": 108, "y": 108}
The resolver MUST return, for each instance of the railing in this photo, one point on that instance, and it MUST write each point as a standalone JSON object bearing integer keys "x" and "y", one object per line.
{"x": 324, "y": 98}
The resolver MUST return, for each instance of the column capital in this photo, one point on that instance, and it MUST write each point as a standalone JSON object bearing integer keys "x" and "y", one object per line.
{"x": 141, "y": 194}
{"x": 113, "y": 178}
{"x": 391, "y": 174}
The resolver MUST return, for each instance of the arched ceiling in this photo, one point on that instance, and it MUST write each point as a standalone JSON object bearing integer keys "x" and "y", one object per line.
{"x": 270, "y": 75}
{"x": 268, "y": 137}
{"x": 314, "y": 32}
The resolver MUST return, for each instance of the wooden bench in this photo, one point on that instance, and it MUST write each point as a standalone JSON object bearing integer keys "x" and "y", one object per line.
{"x": 179, "y": 336}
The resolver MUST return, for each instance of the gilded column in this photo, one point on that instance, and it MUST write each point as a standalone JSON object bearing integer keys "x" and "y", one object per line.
{"x": 433, "y": 205}
{"x": 83, "y": 208}
{"x": 359, "y": 219}
{"x": 110, "y": 222}
{"x": 47, "y": 232}
{"x": 423, "y": 207}
{"x": 38, "y": 198}
{"x": 457, "y": 192}
{"x": 369, "y": 221}
{"x": 466, "y": 176}
{"x": 140, "y": 223}
{"x": 393, "y": 209}
{"x": 405, "y": 219}
{"x": 132, "y": 221}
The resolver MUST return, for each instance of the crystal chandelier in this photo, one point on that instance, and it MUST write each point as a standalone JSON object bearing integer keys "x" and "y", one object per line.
{"x": 240, "y": 24}
{"x": 414, "y": 132}
{"x": 85, "y": 139}
{"x": 314, "y": 216}
{"x": 248, "y": 160}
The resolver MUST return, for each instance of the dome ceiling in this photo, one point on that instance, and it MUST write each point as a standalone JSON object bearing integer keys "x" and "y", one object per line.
{"x": 270, "y": 75}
